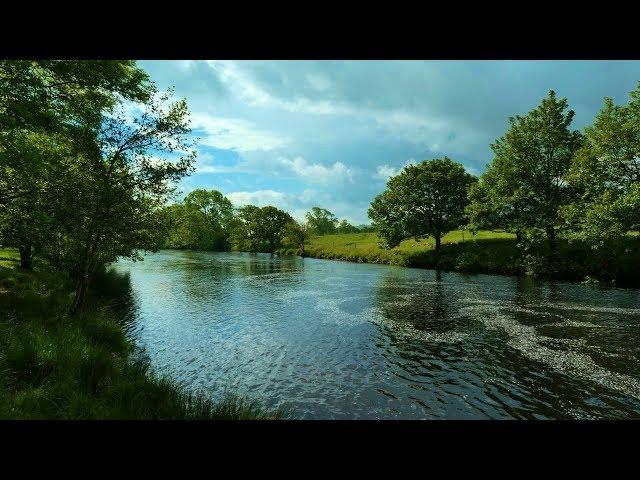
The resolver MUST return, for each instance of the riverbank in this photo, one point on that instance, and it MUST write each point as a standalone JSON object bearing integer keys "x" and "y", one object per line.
{"x": 489, "y": 252}
{"x": 56, "y": 366}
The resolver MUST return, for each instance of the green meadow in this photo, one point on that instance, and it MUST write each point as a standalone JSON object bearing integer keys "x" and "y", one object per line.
{"x": 490, "y": 252}
{"x": 365, "y": 247}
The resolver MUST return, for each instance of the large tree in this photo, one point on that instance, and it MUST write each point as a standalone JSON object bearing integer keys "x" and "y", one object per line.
{"x": 525, "y": 186}
{"x": 296, "y": 235}
{"x": 26, "y": 220}
{"x": 605, "y": 173}
{"x": 110, "y": 208}
{"x": 50, "y": 115}
{"x": 345, "y": 227}
{"x": 59, "y": 98}
{"x": 427, "y": 199}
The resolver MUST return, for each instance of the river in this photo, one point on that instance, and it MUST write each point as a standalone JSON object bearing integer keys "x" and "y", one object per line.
{"x": 326, "y": 339}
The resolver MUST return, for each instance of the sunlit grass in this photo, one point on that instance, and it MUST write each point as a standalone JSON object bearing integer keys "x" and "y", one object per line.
{"x": 9, "y": 257}
{"x": 492, "y": 252}
{"x": 365, "y": 247}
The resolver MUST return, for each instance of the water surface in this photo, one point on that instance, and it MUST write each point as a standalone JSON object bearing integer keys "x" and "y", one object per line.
{"x": 335, "y": 340}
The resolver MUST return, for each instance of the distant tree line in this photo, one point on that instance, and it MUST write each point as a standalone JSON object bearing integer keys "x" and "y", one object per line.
{"x": 207, "y": 220}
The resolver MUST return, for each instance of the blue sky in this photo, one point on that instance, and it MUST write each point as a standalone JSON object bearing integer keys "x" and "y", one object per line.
{"x": 296, "y": 134}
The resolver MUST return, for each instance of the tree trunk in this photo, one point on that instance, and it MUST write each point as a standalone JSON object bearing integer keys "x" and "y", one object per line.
{"x": 438, "y": 240}
{"x": 551, "y": 238}
{"x": 80, "y": 294}
{"x": 26, "y": 257}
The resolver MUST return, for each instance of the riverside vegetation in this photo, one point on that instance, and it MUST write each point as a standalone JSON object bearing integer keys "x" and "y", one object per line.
{"x": 89, "y": 152}
{"x": 486, "y": 252}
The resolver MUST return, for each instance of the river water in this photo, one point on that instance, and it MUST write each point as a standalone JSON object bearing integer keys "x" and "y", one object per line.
{"x": 334, "y": 340}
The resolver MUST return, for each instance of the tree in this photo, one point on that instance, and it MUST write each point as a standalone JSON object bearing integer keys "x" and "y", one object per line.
{"x": 25, "y": 224}
{"x": 525, "y": 186}
{"x": 321, "y": 221}
{"x": 495, "y": 204}
{"x": 51, "y": 111}
{"x": 26, "y": 220}
{"x": 119, "y": 185}
{"x": 60, "y": 98}
{"x": 296, "y": 235}
{"x": 605, "y": 173}
{"x": 346, "y": 227}
{"x": 259, "y": 229}
{"x": 366, "y": 228}
{"x": 201, "y": 221}
{"x": 427, "y": 199}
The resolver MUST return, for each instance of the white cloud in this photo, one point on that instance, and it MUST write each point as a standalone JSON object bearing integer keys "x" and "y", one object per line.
{"x": 205, "y": 163}
{"x": 185, "y": 65}
{"x": 253, "y": 94}
{"x": 234, "y": 134}
{"x": 318, "y": 81}
{"x": 297, "y": 205}
{"x": 260, "y": 198}
{"x": 418, "y": 128}
{"x": 315, "y": 172}
{"x": 384, "y": 172}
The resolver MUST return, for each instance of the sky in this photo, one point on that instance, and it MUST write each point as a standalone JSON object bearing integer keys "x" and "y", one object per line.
{"x": 299, "y": 134}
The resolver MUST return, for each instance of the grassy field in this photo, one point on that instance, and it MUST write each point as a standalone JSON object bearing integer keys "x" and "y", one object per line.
{"x": 9, "y": 257}
{"x": 55, "y": 366}
{"x": 490, "y": 252}
{"x": 364, "y": 247}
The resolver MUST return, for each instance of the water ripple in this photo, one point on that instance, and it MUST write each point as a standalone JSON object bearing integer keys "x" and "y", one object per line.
{"x": 338, "y": 340}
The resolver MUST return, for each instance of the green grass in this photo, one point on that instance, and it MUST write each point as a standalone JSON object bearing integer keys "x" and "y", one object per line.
{"x": 54, "y": 366}
{"x": 9, "y": 257}
{"x": 364, "y": 247}
{"x": 490, "y": 252}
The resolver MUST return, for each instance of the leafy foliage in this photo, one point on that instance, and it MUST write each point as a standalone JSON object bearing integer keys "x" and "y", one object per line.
{"x": 202, "y": 221}
{"x": 89, "y": 152}
{"x": 321, "y": 221}
{"x": 424, "y": 200}
{"x": 345, "y": 227}
{"x": 259, "y": 229}
{"x": 525, "y": 186}
{"x": 295, "y": 237}
{"x": 605, "y": 173}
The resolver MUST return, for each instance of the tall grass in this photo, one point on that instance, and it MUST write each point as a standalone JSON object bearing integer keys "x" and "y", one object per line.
{"x": 56, "y": 366}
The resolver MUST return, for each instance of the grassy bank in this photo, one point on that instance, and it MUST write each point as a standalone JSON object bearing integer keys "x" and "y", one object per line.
{"x": 54, "y": 366}
{"x": 364, "y": 247}
{"x": 9, "y": 257}
{"x": 489, "y": 252}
